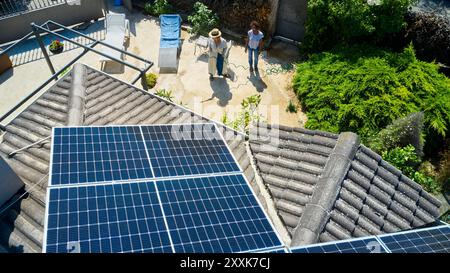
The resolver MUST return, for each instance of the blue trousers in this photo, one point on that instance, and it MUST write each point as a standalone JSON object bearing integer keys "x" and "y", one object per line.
{"x": 253, "y": 55}
{"x": 219, "y": 64}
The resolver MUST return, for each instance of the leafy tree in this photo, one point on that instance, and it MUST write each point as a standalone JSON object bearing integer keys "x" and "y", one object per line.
{"x": 332, "y": 22}
{"x": 202, "y": 19}
{"x": 158, "y": 7}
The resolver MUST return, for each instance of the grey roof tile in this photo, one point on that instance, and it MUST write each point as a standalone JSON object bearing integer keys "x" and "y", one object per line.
{"x": 343, "y": 220}
{"x": 337, "y": 231}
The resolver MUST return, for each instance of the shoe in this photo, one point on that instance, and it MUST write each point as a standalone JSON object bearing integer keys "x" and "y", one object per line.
{"x": 211, "y": 78}
{"x": 251, "y": 69}
{"x": 256, "y": 68}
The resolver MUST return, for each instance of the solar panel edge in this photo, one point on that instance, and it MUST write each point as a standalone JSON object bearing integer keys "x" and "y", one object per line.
{"x": 395, "y": 245}
{"x": 44, "y": 236}
{"x": 228, "y": 148}
{"x": 384, "y": 244}
{"x": 305, "y": 248}
{"x": 269, "y": 219}
{"x": 47, "y": 197}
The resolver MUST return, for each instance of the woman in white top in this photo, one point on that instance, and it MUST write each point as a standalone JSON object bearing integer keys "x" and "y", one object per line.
{"x": 254, "y": 44}
{"x": 218, "y": 61}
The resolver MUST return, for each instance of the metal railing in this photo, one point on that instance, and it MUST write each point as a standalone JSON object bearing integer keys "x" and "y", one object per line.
{"x": 14, "y": 7}
{"x": 44, "y": 28}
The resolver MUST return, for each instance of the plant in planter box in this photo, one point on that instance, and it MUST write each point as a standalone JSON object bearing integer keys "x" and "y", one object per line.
{"x": 56, "y": 46}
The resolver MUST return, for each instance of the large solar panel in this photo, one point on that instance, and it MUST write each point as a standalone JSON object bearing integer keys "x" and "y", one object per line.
{"x": 362, "y": 245}
{"x": 150, "y": 189}
{"x": 98, "y": 154}
{"x": 187, "y": 150}
{"x": 122, "y": 217}
{"x": 215, "y": 214}
{"x": 431, "y": 240}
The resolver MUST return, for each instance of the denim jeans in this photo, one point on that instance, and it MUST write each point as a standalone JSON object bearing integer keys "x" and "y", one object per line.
{"x": 253, "y": 55}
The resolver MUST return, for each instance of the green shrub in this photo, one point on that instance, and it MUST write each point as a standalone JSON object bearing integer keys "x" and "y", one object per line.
{"x": 363, "y": 90}
{"x": 247, "y": 115}
{"x": 406, "y": 160}
{"x": 291, "y": 107}
{"x": 158, "y": 7}
{"x": 163, "y": 93}
{"x": 331, "y": 22}
{"x": 202, "y": 19}
{"x": 151, "y": 79}
{"x": 403, "y": 131}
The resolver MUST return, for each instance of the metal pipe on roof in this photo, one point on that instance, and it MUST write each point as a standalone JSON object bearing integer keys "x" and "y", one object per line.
{"x": 91, "y": 49}
{"x": 43, "y": 48}
{"x": 103, "y": 43}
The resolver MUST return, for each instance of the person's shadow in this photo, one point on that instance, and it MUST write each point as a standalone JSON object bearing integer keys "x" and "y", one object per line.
{"x": 258, "y": 83}
{"x": 221, "y": 91}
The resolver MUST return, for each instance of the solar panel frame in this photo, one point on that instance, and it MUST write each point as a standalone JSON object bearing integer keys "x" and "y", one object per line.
{"x": 276, "y": 250}
{"x": 389, "y": 240}
{"x": 352, "y": 246}
{"x": 252, "y": 194}
{"x": 150, "y": 189}
{"x": 111, "y": 172}
{"x": 158, "y": 175}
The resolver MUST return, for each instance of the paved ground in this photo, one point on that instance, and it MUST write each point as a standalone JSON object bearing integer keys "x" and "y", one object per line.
{"x": 190, "y": 86}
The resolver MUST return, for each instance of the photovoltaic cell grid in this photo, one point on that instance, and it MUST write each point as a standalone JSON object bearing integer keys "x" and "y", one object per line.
{"x": 122, "y": 217}
{"x": 427, "y": 240}
{"x": 433, "y": 240}
{"x": 97, "y": 154}
{"x": 219, "y": 214}
{"x": 187, "y": 150}
{"x": 215, "y": 214}
{"x": 366, "y": 245}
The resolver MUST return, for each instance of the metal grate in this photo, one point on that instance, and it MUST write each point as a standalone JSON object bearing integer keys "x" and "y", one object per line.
{"x": 14, "y": 7}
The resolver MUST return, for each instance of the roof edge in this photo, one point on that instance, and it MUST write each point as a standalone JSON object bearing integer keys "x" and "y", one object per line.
{"x": 317, "y": 212}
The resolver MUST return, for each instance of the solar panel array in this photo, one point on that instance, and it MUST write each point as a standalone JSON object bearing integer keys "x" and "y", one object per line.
{"x": 426, "y": 240}
{"x": 159, "y": 188}
{"x": 431, "y": 240}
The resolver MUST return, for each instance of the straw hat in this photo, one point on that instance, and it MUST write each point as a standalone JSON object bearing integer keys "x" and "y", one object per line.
{"x": 215, "y": 33}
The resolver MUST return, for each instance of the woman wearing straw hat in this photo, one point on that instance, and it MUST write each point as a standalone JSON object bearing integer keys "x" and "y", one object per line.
{"x": 217, "y": 48}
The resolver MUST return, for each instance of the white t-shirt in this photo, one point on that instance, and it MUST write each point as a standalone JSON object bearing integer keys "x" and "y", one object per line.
{"x": 253, "y": 40}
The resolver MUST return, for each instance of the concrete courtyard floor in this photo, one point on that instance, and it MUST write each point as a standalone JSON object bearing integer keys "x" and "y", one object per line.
{"x": 190, "y": 86}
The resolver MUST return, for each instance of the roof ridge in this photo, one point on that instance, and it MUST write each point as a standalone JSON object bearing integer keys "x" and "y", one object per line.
{"x": 77, "y": 95}
{"x": 317, "y": 211}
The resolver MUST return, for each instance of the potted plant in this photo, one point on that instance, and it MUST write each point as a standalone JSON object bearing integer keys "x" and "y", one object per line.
{"x": 56, "y": 47}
